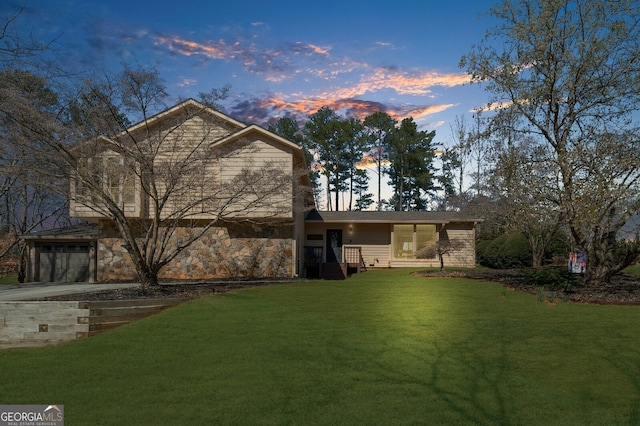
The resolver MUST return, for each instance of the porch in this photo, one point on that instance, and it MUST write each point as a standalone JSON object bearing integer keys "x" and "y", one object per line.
{"x": 351, "y": 262}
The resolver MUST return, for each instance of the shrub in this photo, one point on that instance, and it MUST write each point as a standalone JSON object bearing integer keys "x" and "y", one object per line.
{"x": 557, "y": 251}
{"x": 550, "y": 278}
{"x": 504, "y": 252}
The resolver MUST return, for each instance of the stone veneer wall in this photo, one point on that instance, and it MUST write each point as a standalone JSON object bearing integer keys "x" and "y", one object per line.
{"x": 41, "y": 323}
{"x": 223, "y": 252}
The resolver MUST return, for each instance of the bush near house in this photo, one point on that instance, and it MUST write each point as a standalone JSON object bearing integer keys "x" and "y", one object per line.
{"x": 551, "y": 278}
{"x": 512, "y": 250}
{"x": 507, "y": 251}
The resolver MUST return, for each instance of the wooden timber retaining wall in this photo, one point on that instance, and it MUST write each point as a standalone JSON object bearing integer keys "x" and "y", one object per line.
{"x": 46, "y": 323}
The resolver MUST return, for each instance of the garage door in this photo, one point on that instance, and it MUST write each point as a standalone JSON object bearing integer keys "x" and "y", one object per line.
{"x": 64, "y": 262}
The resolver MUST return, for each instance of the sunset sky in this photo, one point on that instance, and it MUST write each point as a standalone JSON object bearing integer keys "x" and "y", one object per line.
{"x": 281, "y": 57}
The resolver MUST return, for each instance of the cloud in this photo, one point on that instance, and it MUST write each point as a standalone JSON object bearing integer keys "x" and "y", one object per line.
{"x": 310, "y": 49}
{"x": 188, "y": 48}
{"x": 270, "y": 108}
{"x": 402, "y": 82}
{"x": 370, "y": 162}
{"x": 347, "y": 101}
{"x": 423, "y": 111}
{"x": 494, "y": 106}
{"x": 308, "y": 62}
{"x": 274, "y": 64}
{"x": 186, "y": 82}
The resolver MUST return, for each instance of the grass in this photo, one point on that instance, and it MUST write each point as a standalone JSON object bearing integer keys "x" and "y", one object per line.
{"x": 8, "y": 280}
{"x": 383, "y": 347}
{"x": 632, "y": 270}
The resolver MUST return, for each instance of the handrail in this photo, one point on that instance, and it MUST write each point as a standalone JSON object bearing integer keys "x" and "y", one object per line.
{"x": 354, "y": 255}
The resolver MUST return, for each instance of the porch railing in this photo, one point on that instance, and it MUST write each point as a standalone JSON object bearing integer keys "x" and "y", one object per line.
{"x": 353, "y": 257}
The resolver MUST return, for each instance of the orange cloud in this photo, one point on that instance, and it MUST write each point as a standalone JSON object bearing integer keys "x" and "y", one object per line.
{"x": 401, "y": 82}
{"x": 428, "y": 110}
{"x": 369, "y": 162}
{"x": 188, "y": 48}
{"x": 354, "y": 107}
{"x": 318, "y": 50}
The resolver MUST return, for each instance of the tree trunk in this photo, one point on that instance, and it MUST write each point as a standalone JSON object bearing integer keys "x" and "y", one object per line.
{"x": 597, "y": 273}
{"x": 379, "y": 179}
{"x": 22, "y": 269}
{"x": 600, "y": 260}
{"x": 336, "y": 184}
{"x": 148, "y": 278}
{"x": 537, "y": 254}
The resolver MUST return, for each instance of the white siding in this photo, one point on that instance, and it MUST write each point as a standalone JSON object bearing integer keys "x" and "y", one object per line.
{"x": 466, "y": 256}
{"x": 376, "y": 255}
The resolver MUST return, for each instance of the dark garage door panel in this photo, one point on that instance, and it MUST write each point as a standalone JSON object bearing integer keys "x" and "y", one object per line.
{"x": 64, "y": 262}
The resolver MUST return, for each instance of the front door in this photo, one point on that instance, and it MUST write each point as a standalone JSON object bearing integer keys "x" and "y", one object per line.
{"x": 334, "y": 245}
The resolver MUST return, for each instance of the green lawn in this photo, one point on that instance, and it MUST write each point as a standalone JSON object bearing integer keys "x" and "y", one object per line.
{"x": 382, "y": 348}
{"x": 8, "y": 280}
{"x": 633, "y": 270}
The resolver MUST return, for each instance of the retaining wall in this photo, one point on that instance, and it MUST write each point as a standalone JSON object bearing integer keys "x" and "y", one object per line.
{"x": 45, "y": 323}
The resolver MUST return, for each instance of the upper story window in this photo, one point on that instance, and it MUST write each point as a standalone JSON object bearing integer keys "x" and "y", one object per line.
{"x": 111, "y": 175}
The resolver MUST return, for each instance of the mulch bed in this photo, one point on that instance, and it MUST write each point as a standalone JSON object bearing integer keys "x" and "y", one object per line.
{"x": 182, "y": 291}
{"x": 622, "y": 290}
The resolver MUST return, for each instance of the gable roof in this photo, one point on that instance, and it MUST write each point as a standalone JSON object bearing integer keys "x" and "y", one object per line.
{"x": 253, "y": 128}
{"x": 387, "y": 217}
{"x": 185, "y": 105}
{"x": 296, "y": 150}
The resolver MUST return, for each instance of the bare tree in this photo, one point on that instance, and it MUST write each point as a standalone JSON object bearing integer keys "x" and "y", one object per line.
{"x": 189, "y": 182}
{"x": 18, "y": 47}
{"x": 164, "y": 182}
{"x": 440, "y": 248}
{"x": 28, "y": 201}
{"x": 462, "y": 148}
{"x": 479, "y": 151}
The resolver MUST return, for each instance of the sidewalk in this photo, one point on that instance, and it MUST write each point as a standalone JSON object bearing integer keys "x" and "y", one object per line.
{"x": 28, "y": 291}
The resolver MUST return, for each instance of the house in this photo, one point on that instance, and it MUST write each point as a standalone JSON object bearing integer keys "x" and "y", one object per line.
{"x": 256, "y": 232}
{"x": 338, "y": 243}
{"x": 227, "y": 198}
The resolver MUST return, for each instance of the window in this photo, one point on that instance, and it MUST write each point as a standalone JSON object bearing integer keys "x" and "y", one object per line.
{"x": 425, "y": 241}
{"x": 129, "y": 182}
{"x": 403, "y": 241}
{"x": 88, "y": 180}
{"x": 112, "y": 174}
{"x": 409, "y": 241}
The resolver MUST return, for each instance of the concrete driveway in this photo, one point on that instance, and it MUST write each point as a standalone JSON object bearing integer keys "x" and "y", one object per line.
{"x": 29, "y": 291}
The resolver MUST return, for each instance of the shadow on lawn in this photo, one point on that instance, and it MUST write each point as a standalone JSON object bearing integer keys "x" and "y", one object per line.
{"x": 628, "y": 368}
{"x": 478, "y": 396}
{"x": 451, "y": 385}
